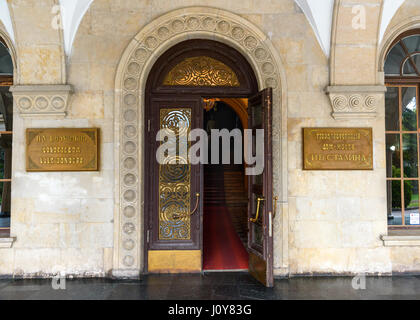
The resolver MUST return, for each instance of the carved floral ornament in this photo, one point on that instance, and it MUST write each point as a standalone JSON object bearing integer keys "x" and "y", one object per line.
{"x": 42, "y": 100}
{"x": 201, "y": 71}
{"x": 232, "y": 30}
{"x": 355, "y": 102}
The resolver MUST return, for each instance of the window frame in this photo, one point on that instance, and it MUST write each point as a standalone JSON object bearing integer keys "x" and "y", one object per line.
{"x": 400, "y": 85}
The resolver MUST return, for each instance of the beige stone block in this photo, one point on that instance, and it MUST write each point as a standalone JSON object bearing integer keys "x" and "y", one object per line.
{"x": 314, "y": 105}
{"x": 97, "y": 210}
{"x": 83, "y": 261}
{"x": 56, "y": 210}
{"x": 355, "y": 65}
{"x": 253, "y": 18}
{"x": 295, "y": 127}
{"x": 320, "y": 77}
{"x": 315, "y": 260}
{"x": 286, "y": 25}
{"x": 79, "y": 75}
{"x": 83, "y": 185}
{"x": 362, "y": 183}
{"x": 348, "y": 209}
{"x": 40, "y": 64}
{"x": 36, "y": 235}
{"x": 297, "y": 77}
{"x": 292, "y": 50}
{"x": 370, "y": 260}
{"x": 347, "y": 34}
{"x": 314, "y": 234}
{"x": 35, "y": 24}
{"x": 310, "y": 183}
{"x": 95, "y": 235}
{"x": 318, "y": 209}
{"x": 356, "y": 234}
{"x": 22, "y": 210}
{"x": 101, "y": 77}
{"x": 7, "y": 261}
{"x": 374, "y": 209}
{"x": 405, "y": 259}
{"x": 108, "y": 257}
{"x": 37, "y": 262}
{"x": 69, "y": 235}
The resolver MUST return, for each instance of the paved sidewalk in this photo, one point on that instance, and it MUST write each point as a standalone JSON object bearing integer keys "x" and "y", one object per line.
{"x": 218, "y": 286}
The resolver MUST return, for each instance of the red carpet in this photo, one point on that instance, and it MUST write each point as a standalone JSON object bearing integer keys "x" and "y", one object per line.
{"x": 223, "y": 250}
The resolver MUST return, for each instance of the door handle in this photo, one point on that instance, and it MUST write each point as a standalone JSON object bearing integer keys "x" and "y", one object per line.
{"x": 275, "y": 207}
{"x": 179, "y": 216}
{"x": 258, "y": 210}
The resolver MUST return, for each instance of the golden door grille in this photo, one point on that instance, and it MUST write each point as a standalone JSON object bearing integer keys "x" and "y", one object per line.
{"x": 175, "y": 179}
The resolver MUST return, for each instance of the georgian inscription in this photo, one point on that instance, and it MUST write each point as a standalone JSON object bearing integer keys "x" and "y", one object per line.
{"x": 337, "y": 149}
{"x": 62, "y": 149}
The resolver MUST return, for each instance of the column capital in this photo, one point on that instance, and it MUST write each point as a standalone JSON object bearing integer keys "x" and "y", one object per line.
{"x": 355, "y": 102}
{"x": 42, "y": 101}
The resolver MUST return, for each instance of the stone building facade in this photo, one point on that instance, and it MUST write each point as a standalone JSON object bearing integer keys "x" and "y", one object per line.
{"x": 325, "y": 63}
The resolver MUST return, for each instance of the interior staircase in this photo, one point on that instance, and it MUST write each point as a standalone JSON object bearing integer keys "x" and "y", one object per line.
{"x": 225, "y": 185}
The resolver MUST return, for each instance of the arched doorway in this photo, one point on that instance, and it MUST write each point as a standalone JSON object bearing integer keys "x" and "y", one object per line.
{"x": 179, "y": 83}
{"x": 139, "y": 57}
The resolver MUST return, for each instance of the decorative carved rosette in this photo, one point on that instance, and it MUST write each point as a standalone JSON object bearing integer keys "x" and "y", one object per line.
{"x": 148, "y": 41}
{"x": 42, "y": 100}
{"x": 355, "y": 102}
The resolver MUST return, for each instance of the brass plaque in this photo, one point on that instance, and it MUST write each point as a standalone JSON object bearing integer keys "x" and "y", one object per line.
{"x": 62, "y": 149}
{"x": 337, "y": 149}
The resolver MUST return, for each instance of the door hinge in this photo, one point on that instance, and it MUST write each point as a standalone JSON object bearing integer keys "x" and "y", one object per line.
{"x": 148, "y": 125}
{"x": 270, "y": 224}
{"x": 147, "y": 236}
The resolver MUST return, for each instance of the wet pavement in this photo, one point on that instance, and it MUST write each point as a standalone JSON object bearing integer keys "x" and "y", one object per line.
{"x": 212, "y": 286}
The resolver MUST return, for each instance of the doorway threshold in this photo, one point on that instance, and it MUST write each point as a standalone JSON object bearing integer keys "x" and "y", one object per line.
{"x": 226, "y": 270}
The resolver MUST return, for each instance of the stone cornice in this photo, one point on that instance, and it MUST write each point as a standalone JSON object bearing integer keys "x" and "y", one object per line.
{"x": 7, "y": 242}
{"x": 42, "y": 101}
{"x": 355, "y": 102}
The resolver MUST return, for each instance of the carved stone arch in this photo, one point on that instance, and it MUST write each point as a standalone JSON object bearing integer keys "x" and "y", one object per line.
{"x": 132, "y": 73}
{"x": 389, "y": 37}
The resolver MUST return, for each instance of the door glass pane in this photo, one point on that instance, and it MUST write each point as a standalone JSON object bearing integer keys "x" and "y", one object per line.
{"x": 409, "y": 109}
{"x": 411, "y": 200}
{"x": 393, "y": 60}
{"x": 257, "y": 227}
{"x": 392, "y": 120}
{"x": 257, "y": 116}
{"x": 410, "y": 155}
{"x": 393, "y": 154}
{"x": 175, "y": 178}
{"x": 394, "y": 202}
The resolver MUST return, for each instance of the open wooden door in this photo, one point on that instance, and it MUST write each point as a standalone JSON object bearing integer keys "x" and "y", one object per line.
{"x": 260, "y": 192}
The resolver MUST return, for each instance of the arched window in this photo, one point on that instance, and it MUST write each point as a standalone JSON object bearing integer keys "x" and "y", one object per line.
{"x": 6, "y": 127}
{"x": 402, "y": 124}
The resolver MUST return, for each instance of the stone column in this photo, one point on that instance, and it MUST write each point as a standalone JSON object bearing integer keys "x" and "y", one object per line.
{"x": 354, "y": 91}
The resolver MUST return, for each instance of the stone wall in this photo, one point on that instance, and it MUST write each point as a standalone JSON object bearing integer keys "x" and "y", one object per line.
{"x": 329, "y": 222}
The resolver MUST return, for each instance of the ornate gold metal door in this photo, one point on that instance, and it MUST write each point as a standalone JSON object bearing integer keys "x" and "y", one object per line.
{"x": 174, "y": 226}
{"x": 260, "y": 189}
